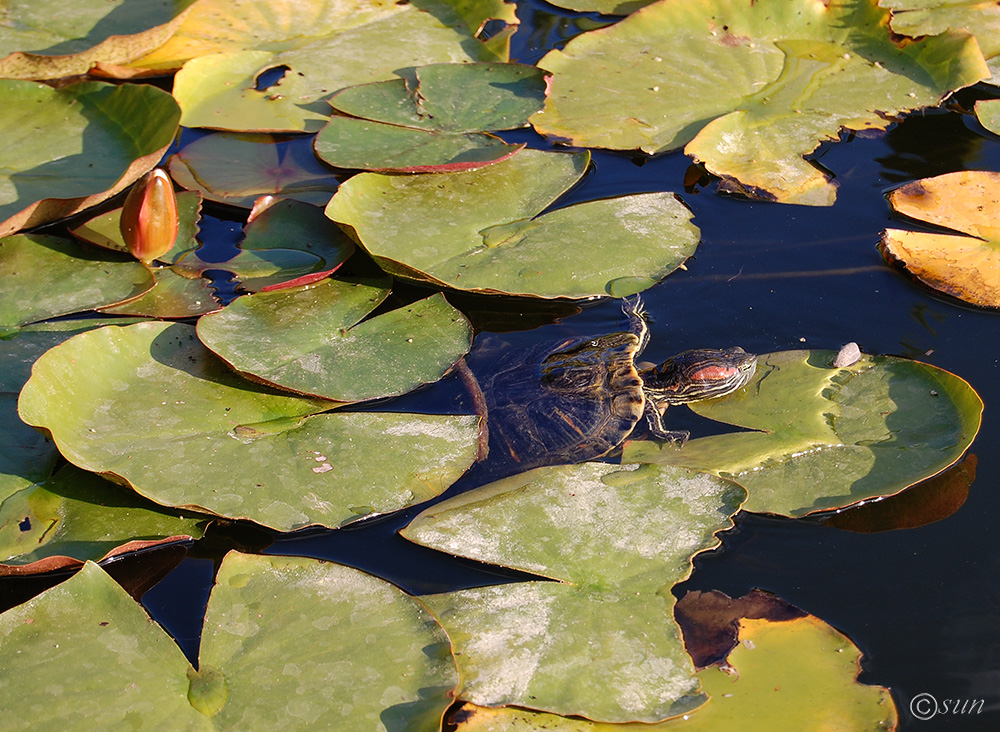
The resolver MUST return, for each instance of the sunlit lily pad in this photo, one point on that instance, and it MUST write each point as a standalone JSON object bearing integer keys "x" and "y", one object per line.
{"x": 96, "y": 658}
{"x": 600, "y": 642}
{"x": 45, "y": 276}
{"x": 155, "y": 408}
{"x": 812, "y": 666}
{"x": 966, "y": 267}
{"x": 232, "y": 44}
{"x": 313, "y": 340}
{"x": 40, "y": 40}
{"x": 66, "y": 149}
{"x": 988, "y": 112}
{"x": 84, "y": 516}
{"x": 830, "y": 437}
{"x": 239, "y": 169}
{"x": 605, "y": 7}
{"x": 748, "y": 88}
{"x": 930, "y": 17}
{"x": 432, "y": 123}
{"x": 481, "y": 230}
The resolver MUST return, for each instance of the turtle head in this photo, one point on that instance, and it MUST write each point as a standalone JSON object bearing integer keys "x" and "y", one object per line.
{"x": 699, "y": 374}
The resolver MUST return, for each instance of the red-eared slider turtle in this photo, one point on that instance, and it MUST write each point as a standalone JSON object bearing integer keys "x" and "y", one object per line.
{"x": 578, "y": 399}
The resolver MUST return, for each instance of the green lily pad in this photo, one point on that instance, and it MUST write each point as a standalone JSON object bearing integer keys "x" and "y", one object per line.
{"x": 46, "y": 276}
{"x": 231, "y": 44}
{"x": 174, "y": 295}
{"x": 239, "y": 169}
{"x": 811, "y": 664}
{"x": 748, "y": 88}
{"x": 605, "y": 7}
{"x": 433, "y": 123}
{"x": 67, "y": 149}
{"x": 480, "y": 230}
{"x": 319, "y": 340}
{"x": 156, "y": 409}
{"x": 930, "y": 17}
{"x": 988, "y": 112}
{"x": 81, "y": 515}
{"x": 600, "y": 643}
{"x": 830, "y": 437}
{"x": 383, "y": 660}
{"x": 40, "y": 40}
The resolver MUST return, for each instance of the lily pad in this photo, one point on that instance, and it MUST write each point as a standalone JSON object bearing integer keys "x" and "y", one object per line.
{"x": 966, "y": 267}
{"x": 432, "y": 124}
{"x": 46, "y": 276}
{"x": 918, "y": 18}
{"x": 812, "y": 666}
{"x": 239, "y": 169}
{"x": 480, "y": 230}
{"x": 320, "y": 341}
{"x": 40, "y": 40}
{"x": 988, "y": 112}
{"x": 383, "y": 660}
{"x": 81, "y": 515}
{"x": 174, "y": 295}
{"x": 67, "y": 149}
{"x": 605, "y": 7}
{"x": 600, "y": 642}
{"x": 748, "y": 88}
{"x": 156, "y": 409}
{"x": 229, "y": 45}
{"x": 830, "y": 437}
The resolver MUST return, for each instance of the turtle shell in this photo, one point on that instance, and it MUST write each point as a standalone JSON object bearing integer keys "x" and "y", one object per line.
{"x": 566, "y": 402}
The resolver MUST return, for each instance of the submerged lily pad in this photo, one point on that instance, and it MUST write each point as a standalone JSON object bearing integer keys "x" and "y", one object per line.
{"x": 600, "y": 642}
{"x": 40, "y": 40}
{"x": 930, "y": 17}
{"x": 46, "y": 276}
{"x": 812, "y": 665}
{"x": 228, "y": 45}
{"x": 81, "y": 515}
{"x": 383, "y": 660}
{"x": 830, "y": 437}
{"x": 748, "y": 88}
{"x": 156, "y": 409}
{"x": 432, "y": 123}
{"x": 481, "y": 230}
{"x": 239, "y": 169}
{"x": 66, "y": 149}
{"x": 966, "y": 267}
{"x": 320, "y": 341}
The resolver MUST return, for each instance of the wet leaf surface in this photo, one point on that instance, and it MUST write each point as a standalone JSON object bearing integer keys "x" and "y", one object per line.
{"x": 748, "y": 89}
{"x": 172, "y": 410}
{"x": 966, "y": 267}
{"x": 66, "y": 149}
{"x": 599, "y": 642}
{"x": 383, "y": 657}
{"x": 481, "y": 230}
{"x": 829, "y": 437}
{"x": 311, "y": 340}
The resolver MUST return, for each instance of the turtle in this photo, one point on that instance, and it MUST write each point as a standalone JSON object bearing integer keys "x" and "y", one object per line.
{"x": 578, "y": 399}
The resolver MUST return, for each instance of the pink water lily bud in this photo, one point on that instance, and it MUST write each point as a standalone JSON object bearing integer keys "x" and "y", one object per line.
{"x": 149, "y": 217}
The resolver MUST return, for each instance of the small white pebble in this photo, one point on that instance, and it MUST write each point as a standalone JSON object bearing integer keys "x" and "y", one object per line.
{"x": 849, "y": 355}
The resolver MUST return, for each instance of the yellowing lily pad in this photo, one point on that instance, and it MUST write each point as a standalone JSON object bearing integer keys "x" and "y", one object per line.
{"x": 798, "y": 674}
{"x": 480, "y": 230}
{"x": 39, "y": 39}
{"x": 599, "y": 642}
{"x": 66, "y": 149}
{"x": 155, "y": 409}
{"x": 966, "y": 267}
{"x": 320, "y": 341}
{"x": 97, "y": 657}
{"x": 930, "y": 17}
{"x": 228, "y": 45}
{"x": 748, "y": 88}
{"x": 830, "y": 437}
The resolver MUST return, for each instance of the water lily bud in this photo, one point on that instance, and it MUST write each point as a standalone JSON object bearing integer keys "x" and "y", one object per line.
{"x": 149, "y": 217}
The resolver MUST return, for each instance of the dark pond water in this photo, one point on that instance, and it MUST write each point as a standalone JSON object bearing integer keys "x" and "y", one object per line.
{"x": 922, "y": 604}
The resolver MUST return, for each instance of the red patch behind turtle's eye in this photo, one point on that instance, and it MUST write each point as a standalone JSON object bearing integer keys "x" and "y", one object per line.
{"x": 713, "y": 373}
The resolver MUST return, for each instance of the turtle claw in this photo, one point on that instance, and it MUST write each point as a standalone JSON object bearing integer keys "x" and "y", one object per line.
{"x": 675, "y": 437}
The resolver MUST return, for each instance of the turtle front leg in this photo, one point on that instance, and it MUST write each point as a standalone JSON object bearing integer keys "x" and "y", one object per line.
{"x": 654, "y": 418}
